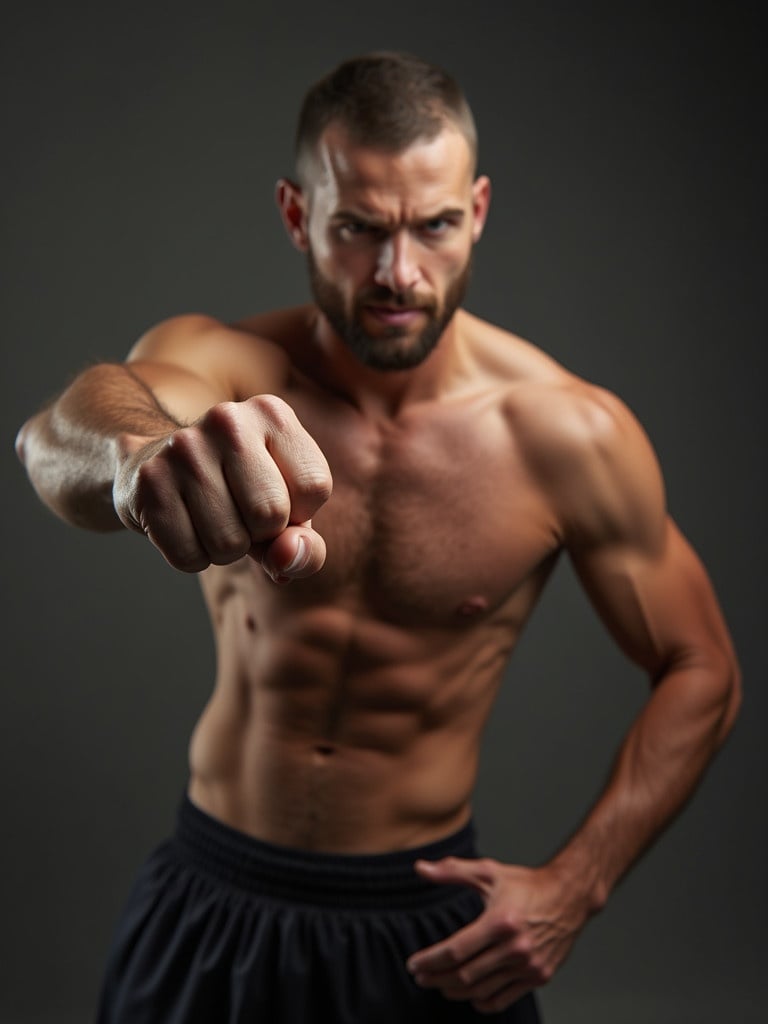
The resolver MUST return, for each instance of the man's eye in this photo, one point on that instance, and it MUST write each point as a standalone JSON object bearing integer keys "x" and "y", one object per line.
{"x": 435, "y": 226}
{"x": 354, "y": 228}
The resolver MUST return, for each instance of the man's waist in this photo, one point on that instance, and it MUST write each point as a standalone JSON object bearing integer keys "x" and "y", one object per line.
{"x": 377, "y": 880}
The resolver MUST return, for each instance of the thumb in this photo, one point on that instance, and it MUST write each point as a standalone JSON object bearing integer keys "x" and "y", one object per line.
{"x": 457, "y": 871}
{"x": 295, "y": 553}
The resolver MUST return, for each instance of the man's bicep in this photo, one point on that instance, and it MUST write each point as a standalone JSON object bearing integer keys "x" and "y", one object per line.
{"x": 180, "y": 393}
{"x": 192, "y": 362}
{"x": 659, "y": 604}
{"x": 641, "y": 575}
{"x": 183, "y": 363}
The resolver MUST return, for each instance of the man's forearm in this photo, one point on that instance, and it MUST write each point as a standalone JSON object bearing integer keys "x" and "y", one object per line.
{"x": 70, "y": 449}
{"x": 659, "y": 765}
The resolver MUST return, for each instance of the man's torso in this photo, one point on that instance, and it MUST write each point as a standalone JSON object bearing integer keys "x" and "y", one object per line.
{"x": 348, "y": 707}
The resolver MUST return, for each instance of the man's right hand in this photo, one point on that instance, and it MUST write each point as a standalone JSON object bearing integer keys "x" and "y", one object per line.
{"x": 244, "y": 479}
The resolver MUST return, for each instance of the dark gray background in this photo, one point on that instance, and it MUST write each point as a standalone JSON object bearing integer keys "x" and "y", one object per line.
{"x": 626, "y": 237}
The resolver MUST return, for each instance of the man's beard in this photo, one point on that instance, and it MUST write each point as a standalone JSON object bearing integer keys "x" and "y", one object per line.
{"x": 383, "y": 351}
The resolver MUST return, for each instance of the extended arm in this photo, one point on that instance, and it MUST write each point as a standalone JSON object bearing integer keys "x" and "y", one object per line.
{"x": 71, "y": 449}
{"x": 654, "y": 595}
{"x": 163, "y": 446}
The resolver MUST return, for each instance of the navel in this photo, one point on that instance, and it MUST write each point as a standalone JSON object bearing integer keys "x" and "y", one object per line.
{"x": 475, "y": 605}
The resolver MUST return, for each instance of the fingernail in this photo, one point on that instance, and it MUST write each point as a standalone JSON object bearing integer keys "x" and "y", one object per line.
{"x": 300, "y": 559}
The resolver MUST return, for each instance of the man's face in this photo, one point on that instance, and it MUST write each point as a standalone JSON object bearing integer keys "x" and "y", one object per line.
{"x": 389, "y": 239}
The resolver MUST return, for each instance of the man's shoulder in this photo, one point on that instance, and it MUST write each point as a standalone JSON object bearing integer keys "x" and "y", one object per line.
{"x": 590, "y": 455}
{"x": 250, "y": 353}
{"x": 518, "y": 367}
{"x": 538, "y": 392}
{"x": 567, "y": 415}
{"x": 280, "y": 327}
{"x": 579, "y": 440}
{"x": 190, "y": 328}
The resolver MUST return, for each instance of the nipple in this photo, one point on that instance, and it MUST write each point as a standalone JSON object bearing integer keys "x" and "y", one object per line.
{"x": 473, "y": 606}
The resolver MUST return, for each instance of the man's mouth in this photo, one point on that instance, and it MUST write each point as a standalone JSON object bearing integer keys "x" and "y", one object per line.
{"x": 396, "y": 316}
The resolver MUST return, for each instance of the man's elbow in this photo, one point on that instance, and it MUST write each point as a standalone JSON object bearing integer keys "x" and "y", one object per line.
{"x": 730, "y": 675}
{"x": 21, "y": 442}
{"x": 63, "y": 493}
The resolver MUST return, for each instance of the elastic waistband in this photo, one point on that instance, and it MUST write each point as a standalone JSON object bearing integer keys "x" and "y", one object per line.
{"x": 375, "y": 881}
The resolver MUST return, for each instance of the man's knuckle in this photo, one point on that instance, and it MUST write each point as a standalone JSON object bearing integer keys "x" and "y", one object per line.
{"x": 538, "y": 970}
{"x": 270, "y": 511}
{"x": 545, "y": 974}
{"x": 219, "y": 416}
{"x": 185, "y": 558}
{"x": 453, "y": 956}
{"x": 194, "y": 565}
{"x": 508, "y": 951}
{"x": 184, "y": 443}
{"x": 508, "y": 924}
{"x": 150, "y": 480}
{"x": 315, "y": 484}
{"x": 465, "y": 975}
{"x": 230, "y": 545}
{"x": 274, "y": 410}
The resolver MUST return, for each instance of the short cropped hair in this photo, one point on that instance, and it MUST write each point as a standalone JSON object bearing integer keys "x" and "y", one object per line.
{"x": 384, "y": 100}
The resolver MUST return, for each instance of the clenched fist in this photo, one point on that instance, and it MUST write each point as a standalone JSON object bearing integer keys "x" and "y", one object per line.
{"x": 244, "y": 479}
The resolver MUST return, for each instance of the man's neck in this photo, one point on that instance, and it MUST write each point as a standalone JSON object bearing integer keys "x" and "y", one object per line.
{"x": 385, "y": 393}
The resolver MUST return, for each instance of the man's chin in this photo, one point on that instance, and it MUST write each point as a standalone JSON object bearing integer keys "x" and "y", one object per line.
{"x": 395, "y": 350}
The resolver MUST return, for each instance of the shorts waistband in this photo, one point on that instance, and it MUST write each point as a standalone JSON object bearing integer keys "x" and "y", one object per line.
{"x": 375, "y": 881}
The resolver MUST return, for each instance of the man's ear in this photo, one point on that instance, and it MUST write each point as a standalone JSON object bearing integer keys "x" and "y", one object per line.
{"x": 292, "y": 205}
{"x": 481, "y": 200}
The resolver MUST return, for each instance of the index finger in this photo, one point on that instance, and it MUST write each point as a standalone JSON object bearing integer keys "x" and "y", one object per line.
{"x": 297, "y": 456}
{"x": 455, "y": 951}
{"x": 305, "y": 471}
{"x": 273, "y": 469}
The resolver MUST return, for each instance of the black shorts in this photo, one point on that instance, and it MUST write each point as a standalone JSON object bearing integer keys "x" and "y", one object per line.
{"x": 221, "y": 928}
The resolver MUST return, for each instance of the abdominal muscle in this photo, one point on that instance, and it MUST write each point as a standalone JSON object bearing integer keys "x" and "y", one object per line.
{"x": 332, "y": 732}
{"x": 332, "y": 797}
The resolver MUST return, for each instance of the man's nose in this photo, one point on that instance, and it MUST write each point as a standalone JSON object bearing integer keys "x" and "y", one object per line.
{"x": 396, "y": 267}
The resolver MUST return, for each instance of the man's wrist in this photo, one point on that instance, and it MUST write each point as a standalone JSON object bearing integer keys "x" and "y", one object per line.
{"x": 580, "y": 872}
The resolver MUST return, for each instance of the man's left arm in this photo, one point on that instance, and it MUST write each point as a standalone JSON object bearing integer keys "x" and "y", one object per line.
{"x": 654, "y": 595}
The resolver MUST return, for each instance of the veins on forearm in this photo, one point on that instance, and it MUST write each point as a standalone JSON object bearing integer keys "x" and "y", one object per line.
{"x": 660, "y": 764}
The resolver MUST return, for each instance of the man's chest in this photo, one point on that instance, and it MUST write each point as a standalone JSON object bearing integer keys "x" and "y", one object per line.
{"x": 432, "y": 517}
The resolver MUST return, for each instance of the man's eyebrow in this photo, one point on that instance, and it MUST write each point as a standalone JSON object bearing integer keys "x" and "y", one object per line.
{"x": 449, "y": 212}
{"x": 355, "y": 215}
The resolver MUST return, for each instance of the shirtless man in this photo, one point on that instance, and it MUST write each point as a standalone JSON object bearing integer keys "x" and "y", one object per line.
{"x": 375, "y": 489}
